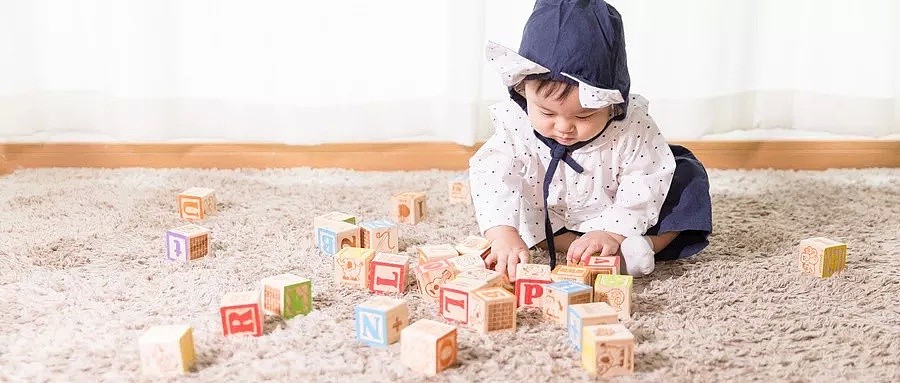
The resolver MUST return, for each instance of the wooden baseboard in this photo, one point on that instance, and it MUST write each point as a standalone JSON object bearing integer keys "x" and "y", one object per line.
{"x": 420, "y": 156}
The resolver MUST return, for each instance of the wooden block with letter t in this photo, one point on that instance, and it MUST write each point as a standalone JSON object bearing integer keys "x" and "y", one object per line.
{"x": 382, "y": 236}
{"x": 351, "y": 266}
{"x": 560, "y": 295}
{"x": 333, "y": 236}
{"x": 616, "y": 291}
{"x": 587, "y": 314}
{"x": 579, "y": 274}
{"x": 379, "y": 320}
{"x": 287, "y": 295}
{"x": 167, "y": 350}
{"x": 607, "y": 350}
{"x": 431, "y": 253}
{"x": 531, "y": 282}
{"x": 428, "y": 346}
{"x": 492, "y": 309}
{"x": 455, "y": 299}
{"x": 388, "y": 273}
{"x": 241, "y": 313}
{"x": 822, "y": 257}
{"x": 187, "y": 242}
{"x": 196, "y": 203}
{"x": 408, "y": 208}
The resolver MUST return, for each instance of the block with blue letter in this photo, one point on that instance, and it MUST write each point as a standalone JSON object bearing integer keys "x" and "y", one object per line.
{"x": 587, "y": 314}
{"x": 378, "y": 321}
{"x": 332, "y": 236}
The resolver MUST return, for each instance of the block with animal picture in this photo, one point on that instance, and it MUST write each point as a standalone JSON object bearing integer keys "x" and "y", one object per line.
{"x": 579, "y": 274}
{"x": 380, "y": 319}
{"x": 167, "y": 350}
{"x": 607, "y": 350}
{"x": 196, "y": 203}
{"x": 490, "y": 278}
{"x": 351, "y": 265}
{"x": 616, "y": 291}
{"x": 598, "y": 265}
{"x": 408, "y": 208}
{"x": 587, "y": 314}
{"x": 821, "y": 256}
{"x": 459, "y": 190}
{"x": 333, "y": 236}
{"x": 455, "y": 298}
{"x": 387, "y": 273}
{"x": 476, "y": 245}
{"x": 466, "y": 262}
{"x": 492, "y": 309}
{"x": 287, "y": 295}
{"x": 431, "y": 253}
{"x": 430, "y": 277}
{"x": 187, "y": 243}
{"x": 334, "y": 216}
{"x": 428, "y": 346}
{"x": 241, "y": 313}
{"x": 381, "y": 235}
{"x": 531, "y": 282}
{"x": 560, "y": 295}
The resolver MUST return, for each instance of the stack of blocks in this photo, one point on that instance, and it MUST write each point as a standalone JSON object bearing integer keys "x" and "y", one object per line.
{"x": 531, "y": 282}
{"x": 560, "y": 295}
{"x": 167, "y": 350}
{"x": 428, "y": 346}
{"x": 615, "y": 290}
{"x": 459, "y": 190}
{"x": 408, "y": 208}
{"x": 821, "y": 257}
{"x": 380, "y": 319}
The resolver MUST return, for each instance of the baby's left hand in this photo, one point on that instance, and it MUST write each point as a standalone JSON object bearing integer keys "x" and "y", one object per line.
{"x": 592, "y": 243}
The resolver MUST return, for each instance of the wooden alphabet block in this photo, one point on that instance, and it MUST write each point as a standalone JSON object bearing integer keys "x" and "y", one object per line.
{"x": 382, "y": 236}
{"x": 466, "y": 262}
{"x": 333, "y": 236}
{"x": 351, "y": 265}
{"x": 493, "y": 309}
{"x": 459, "y": 190}
{"x": 821, "y": 257}
{"x": 428, "y": 346}
{"x": 380, "y": 319}
{"x": 287, "y": 295}
{"x": 431, "y": 253}
{"x": 474, "y": 244}
{"x": 455, "y": 298}
{"x": 598, "y": 265}
{"x": 579, "y": 274}
{"x": 187, "y": 243}
{"x": 241, "y": 313}
{"x": 196, "y": 203}
{"x": 334, "y": 216}
{"x": 432, "y": 275}
{"x": 616, "y": 291}
{"x": 587, "y": 314}
{"x": 388, "y": 273}
{"x": 490, "y": 278}
{"x": 167, "y": 350}
{"x": 531, "y": 281}
{"x": 408, "y": 208}
{"x": 560, "y": 295}
{"x": 607, "y": 350}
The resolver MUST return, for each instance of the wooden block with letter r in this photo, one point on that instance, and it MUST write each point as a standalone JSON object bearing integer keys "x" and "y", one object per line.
{"x": 241, "y": 313}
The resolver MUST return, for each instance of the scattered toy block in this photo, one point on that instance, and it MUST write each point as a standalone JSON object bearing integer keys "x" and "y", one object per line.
{"x": 490, "y": 278}
{"x": 333, "y": 236}
{"x": 607, "y": 350}
{"x": 334, "y": 216}
{"x": 474, "y": 244}
{"x": 821, "y": 256}
{"x": 578, "y": 274}
{"x": 466, "y": 262}
{"x": 380, "y": 319}
{"x": 560, "y": 295}
{"x": 287, "y": 295}
{"x": 241, "y": 313}
{"x": 459, "y": 190}
{"x": 388, "y": 273}
{"x": 167, "y": 350}
{"x": 431, "y": 253}
{"x": 597, "y": 265}
{"x": 196, "y": 203}
{"x": 455, "y": 298}
{"x": 351, "y": 265}
{"x": 616, "y": 291}
{"x": 187, "y": 243}
{"x": 493, "y": 309}
{"x": 531, "y": 281}
{"x": 428, "y": 346}
{"x": 587, "y": 314}
{"x": 432, "y": 275}
{"x": 382, "y": 236}
{"x": 408, "y": 208}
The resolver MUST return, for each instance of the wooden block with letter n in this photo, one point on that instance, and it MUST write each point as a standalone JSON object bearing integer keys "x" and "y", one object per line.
{"x": 379, "y": 320}
{"x": 351, "y": 266}
{"x": 287, "y": 295}
{"x": 241, "y": 313}
{"x": 408, "y": 208}
{"x": 531, "y": 282}
{"x": 616, "y": 291}
{"x": 388, "y": 273}
{"x": 492, "y": 309}
{"x": 579, "y": 274}
{"x": 432, "y": 275}
{"x": 474, "y": 244}
{"x": 822, "y": 257}
{"x": 455, "y": 299}
{"x": 167, "y": 350}
{"x": 607, "y": 350}
{"x": 382, "y": 236}
{"x": 459, "y": 189}
{"x": 196, "y": 203}
{"x": 560, "y": 295}
{"x": 428, "y": 346}
{"x": 431, "y": 253}
{"x": 333, "y": 236}
{"x": 187, "y": 243}
{"x": 334, "y": 216}
{"x": 598, "y": 265}
{"x": 587, "y": 314}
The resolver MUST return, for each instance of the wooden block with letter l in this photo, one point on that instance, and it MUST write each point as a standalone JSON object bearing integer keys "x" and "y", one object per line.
{"x": 531, "y": 282}
{"x": 455, "y": 299}
{"x": 598, "y": 265}
{"x": 474, "y": 244}
{"x": 196, "y": 203}
{"x": 333, "y": 236}
{"x": 822, "y": 257}
{"x": 459, "y": 189}
{"x": 431, "y": 253}
{"x": 587, "y": 314}
{"x": 616, "y": 291}
{"x": 388, "y": 273}
{"x": 408, "y": 208}
{"x": 428, "y": 346}
{"x": 187, "y": 243}
{"x": 334, "y": 216}
{"x": 579, "y": 274}
{"x": 492, "y": 309}
{"x": 607, "y": 350}
{"x": 241, "y": 313}
{"x": 167, "y": 350}
{"x": 432, "y": 275}
{"x": 382, "y": 236}
{"x": 287, "y": 295}
{"x": 351, "y": 265}
{"x": 560, "y": 295}
{"x": 380, "y": 319}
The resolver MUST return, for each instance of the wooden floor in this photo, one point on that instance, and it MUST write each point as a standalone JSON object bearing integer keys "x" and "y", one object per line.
{"x": 420, "y": 156}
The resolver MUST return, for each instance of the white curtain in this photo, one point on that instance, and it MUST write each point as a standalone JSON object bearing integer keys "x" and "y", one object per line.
{"x": 304, "y": 72}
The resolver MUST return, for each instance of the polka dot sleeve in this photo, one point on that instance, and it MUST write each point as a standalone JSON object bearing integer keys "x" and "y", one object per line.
{"x": 495, "y": 179}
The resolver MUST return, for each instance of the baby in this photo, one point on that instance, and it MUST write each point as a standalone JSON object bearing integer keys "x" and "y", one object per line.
{"x": 576, "y": 158}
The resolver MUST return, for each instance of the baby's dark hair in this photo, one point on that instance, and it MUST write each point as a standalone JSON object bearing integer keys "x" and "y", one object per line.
{"x": 547, "y": 88}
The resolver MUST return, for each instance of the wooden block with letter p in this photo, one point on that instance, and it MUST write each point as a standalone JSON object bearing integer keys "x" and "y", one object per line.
{"x": 459, "y": 189}
{"x": 333, "y": 236}
{"x": 167, "y": 350}
{"x": 822, "y": 257}
{"x": 560, "y": 295}
{"x": 428, "y": 346}
{"x": 388, "y": 273}
{"x": 351, "y": 266}
{"x": 474, "y": 244}
{"x": 334, "y": 216}
{"x": 587, "y": 314}
{"x": 382, "y": 236}
{"x": 379, "y": 320}
{"x": 455, "y": 299}
{"x": 492, "y": 309}
{"x": 241, "y": 313}
{"x": 287, "y": 295}
{"x": 431, "y": 253}
{"x": 531, "y": 282}
{"x": 196, "y": 203}
{"x": 408, "y": 208}
{"x": 616, "y": 291}
{"x": 607, "y": 350}
{"x": 579, "y": 274}
{"x": 187, "y": 243}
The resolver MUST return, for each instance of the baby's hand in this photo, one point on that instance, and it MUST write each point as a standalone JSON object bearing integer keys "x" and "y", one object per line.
{"x": 507, "y": 250}
{"x": 591, "y": 243}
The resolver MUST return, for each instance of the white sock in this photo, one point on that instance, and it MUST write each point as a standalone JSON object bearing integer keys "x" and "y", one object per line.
{"x": 638, "y": 253}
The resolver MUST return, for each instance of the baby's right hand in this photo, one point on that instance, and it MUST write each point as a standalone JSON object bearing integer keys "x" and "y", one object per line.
{"x": 507, "y": 250}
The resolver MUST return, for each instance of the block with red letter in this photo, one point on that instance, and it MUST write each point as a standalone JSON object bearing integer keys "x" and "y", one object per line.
{"x": 560, "y": 295}
{"x": 459, "y": 190}
{"x": 474, "y": 244}
{"x": 616, "y": 291}
{"x": 466, "y": 262}
{"x": 428, "y": 346}
{"x": 531, "y": 281}
{"x": 287, "y": 295}
{"x": 587, "y": 314}
{"x": 351, "y": 266}
{"x": 597, "y": 265}
{"x": 241, "y": 313}
{"x": 607, "y": 350}
{"x": 490, "y": 278}
{"x": 167, "y": 350}
{"x": 408, "y": 208}
{"x": 432, "y": 253}
{"x": 579, "y": 274}
{"x": 382, "y": 236}
{"x": 455, "y": 297}
{"x": 187, "y": 243}
{"x": 493, "y": 309}
{"x": 196, "y": 203}
{"x": 379, "y": 320}
{"x": 432, "y": 275}
{"x": 388, "y": 273}
{"x": 332, "y": 236}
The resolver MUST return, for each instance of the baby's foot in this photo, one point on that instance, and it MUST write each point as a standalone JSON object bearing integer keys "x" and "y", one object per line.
{"x": 638, "y": 253}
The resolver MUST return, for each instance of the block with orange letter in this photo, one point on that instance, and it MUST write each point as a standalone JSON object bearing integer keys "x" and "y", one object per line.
{"x": 241, "y": 313}
{"x": 432, "y": 275}
{"x": 382, "y": 236}
{"x": 492, "y": 309}
{"x": 431, "y": 253}
{"x": 351, "y": 266}
{"x": 287, "y": 295}
{"x": 616, "y": 291}
{"x": 408, "y": 208}
{"x": 474, "y": 244}
{"x": 455, "y": 298}
{"x": 428, "y": 346}
{"x": 531, "y": 282}
{"x": 607, "y": 350}
{"x": 579, "y": 274}
{"x": 196, "y": 203}
{"x": 388, "y": 273}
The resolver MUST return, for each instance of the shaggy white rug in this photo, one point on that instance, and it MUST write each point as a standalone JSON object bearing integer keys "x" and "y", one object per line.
{"x": 82, "y": 277}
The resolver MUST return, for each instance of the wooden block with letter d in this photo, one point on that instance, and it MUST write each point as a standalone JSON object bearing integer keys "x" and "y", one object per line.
{"x": 380, "y": 319}
{"x": 351, "y": 265}
{"x": 455, "y": 299}
{"x": 196, "y": 203}
{"x": 187, "y": 243}
{"x": 560, "y": 295}
{"x": 531, "y": 282}
{"x": 616, "y": 291}
{"x": 382, "y": 236}
{"x": 287, "y": 295}
{"x": 388, "y": 273}
{"x": 428, "y": 346}
{"x": 607, "y": 350}
{"x": 332, "y": 236}
{"x": 408, "y": 208}
{"x": 492, "y": 309}
{"x": 241, "y": 313}
{"x": 587, "y": 314}
{"x": 167, "y": 350}
{"x": 822, "y": 257}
